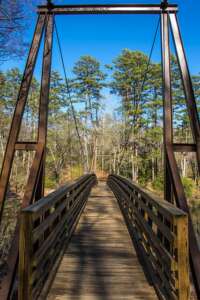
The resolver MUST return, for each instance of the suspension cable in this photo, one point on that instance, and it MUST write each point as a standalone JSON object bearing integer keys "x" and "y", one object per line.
{"x": 68, "y": 91}
{"x": 141, "y": 89}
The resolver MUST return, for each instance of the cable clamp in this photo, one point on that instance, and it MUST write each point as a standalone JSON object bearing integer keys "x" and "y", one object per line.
{"x": 164, "y": 4}
{"x": 49, "y": 4}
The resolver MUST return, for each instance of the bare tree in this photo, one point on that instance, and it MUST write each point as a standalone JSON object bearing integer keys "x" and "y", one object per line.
{"x": 15, "y": 16}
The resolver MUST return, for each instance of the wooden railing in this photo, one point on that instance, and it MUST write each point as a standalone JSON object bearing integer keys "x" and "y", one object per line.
{"x": 46, "y": 227}
{"x": 160, "y": 231}
{"x": 182, "y": 203}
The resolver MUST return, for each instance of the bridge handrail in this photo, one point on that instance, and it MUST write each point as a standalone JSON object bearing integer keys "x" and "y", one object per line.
{"x": 160, "y": 231}
{"x": 46, "y": 227}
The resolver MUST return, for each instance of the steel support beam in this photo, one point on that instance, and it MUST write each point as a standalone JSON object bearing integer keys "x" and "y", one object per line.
{"x": 18, "y": 113}
{"x": 26, "y": 146}
{"x": 184, "y": 147}
{"x": 106, "y": 9}
{"x": 187, "y": 84}
{"x": 44, "y": 99}
{"x": 45, "y": 81}
{"x": 167, "y": 102}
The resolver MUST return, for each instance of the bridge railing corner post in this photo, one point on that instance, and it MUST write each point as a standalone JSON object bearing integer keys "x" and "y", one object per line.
{"x": 25, "y": 250}
{"x": 183, "y": 258}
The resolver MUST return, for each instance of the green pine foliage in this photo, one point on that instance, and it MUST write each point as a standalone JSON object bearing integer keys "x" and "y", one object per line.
{"x": 128, "y": 142}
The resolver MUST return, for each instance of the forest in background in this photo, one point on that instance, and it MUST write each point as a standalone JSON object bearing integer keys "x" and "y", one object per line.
{"x": 83, "y": 138}
{"x": 128, "y": 141}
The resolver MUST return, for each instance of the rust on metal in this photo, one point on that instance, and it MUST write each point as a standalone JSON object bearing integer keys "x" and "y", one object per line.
{"x": 44, "y": 98}
{"x": 167, "y": 102}
{"x": 187, "y": 84}
{"x": 26, "y": 146}
{"x": 180, "y": 147}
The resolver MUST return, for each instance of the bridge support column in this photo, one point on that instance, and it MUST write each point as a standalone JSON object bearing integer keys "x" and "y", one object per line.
{"x": 19, "y": 109}
{"x": 187, "y": 84}
{"x": 44, "y": 99}
{"x": 167, "y": 102}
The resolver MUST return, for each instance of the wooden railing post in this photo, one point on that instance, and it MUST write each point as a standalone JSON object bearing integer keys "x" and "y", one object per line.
{"x": 25, "y": 250}
{"x": 182, "y": 247}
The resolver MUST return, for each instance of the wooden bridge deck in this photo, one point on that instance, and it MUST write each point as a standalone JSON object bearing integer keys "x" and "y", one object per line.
{"x": 100, "y": 261}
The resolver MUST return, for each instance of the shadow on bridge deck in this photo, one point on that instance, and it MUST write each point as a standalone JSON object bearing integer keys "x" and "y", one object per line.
{"x": 100, "y": 261}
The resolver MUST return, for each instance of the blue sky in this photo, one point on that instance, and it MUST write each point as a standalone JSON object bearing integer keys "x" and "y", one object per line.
{"x": 104, "y": 36}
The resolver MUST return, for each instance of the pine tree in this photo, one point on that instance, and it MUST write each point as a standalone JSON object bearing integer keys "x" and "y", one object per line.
{"x": 88, "y": 83}
{"x": 129, "y": 73}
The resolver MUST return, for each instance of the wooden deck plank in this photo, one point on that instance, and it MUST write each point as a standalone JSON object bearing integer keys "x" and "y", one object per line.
{"x": 101, "y": 262}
